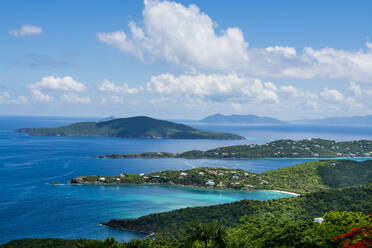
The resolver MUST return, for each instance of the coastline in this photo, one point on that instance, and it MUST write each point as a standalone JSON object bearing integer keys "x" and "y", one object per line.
{"x": 284, "y": 192}
{"x": 184, "y": 186}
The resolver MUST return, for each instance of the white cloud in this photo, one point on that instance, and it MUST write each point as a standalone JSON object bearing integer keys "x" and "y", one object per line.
{"x": 74, "y": 98}
{"x": 188, "y": 37}
{"x": 20, "y": 100}
{"x": 117, "y": 99}
{"x": 26, "y": 30}
{"x": 181, "y": 35}
{"x": 355, "y": 88}
{"x": 56, "y": 83}
{"x": 38, "y": 96}
{"x": 4, "y": 96}
{"x": 112, "y": 87}
{"x": 332, "y": 95}
{"x": 214, "y": 87}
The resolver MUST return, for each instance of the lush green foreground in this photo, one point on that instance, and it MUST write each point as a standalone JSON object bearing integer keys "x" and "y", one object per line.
{"x": 134, "y": 127}
{"x": 301, "y": 178}
{"x": 309, "y": 148}
{"x": 339, "y": 229}
{"x": 304, "y": 207}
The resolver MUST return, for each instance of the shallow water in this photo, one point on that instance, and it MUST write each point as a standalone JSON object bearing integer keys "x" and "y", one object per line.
{"x": 31, "y": 208}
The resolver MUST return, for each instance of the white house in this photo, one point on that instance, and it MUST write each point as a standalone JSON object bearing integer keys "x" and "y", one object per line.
{"x": 210, "y": 183}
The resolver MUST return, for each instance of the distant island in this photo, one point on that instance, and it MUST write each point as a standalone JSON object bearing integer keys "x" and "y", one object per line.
{"x": 133, "y": 127}
{"x": 243, "y": 119}
{"x": 301, "y": 178}
{"x": 353, "y": 121}
{"x": 307, "y": 148}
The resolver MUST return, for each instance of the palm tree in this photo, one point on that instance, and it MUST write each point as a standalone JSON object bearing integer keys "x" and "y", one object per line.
{"x": 206, "y": 233}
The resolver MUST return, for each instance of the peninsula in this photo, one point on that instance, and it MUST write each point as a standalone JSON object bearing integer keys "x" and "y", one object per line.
{"x": 301, "y": 178}
{"x": 308, "y": 148}
{"x": 133, "y": 127}
{"x": 334, "y": 185}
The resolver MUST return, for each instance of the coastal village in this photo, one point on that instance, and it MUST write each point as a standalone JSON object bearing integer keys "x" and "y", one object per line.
{"x": 220, "y": 178}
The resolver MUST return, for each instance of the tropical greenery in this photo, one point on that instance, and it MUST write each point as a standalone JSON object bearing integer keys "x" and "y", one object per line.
{"x": 134, "y": 127}
{"x": 339, "y": 229}
{"x": 304, "y": 207}
{"x": 301, "y": 178}
{"x": 308, "y": 148}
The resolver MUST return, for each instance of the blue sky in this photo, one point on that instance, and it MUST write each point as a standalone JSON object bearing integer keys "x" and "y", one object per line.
{"x": 186, "y": 59}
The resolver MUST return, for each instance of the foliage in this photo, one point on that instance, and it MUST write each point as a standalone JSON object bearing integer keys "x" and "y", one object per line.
{"x": 301, "y": 178}
{"x": 359, "y": 237}
{"x": 205, "y": 235}
{"x": 304, "y": 207}
{"x": 308, "y": 148}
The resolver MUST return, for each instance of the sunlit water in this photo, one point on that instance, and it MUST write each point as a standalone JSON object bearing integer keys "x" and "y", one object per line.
{"x": 31, "y": 208}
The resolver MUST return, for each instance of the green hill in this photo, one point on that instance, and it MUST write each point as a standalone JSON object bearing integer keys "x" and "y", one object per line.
{"x": 133, "y": 127}
{"x": 308, "y": 148}
{"x": 301, "y": 178}
{"x": 304, "y": 207}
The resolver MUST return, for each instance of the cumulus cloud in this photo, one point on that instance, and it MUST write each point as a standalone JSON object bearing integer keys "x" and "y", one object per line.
{"x": 26, "y": 30}
{"x": 60, "y": 84}
{"x": 355, "y": 88}
{"x": 20, "y": 100}
{"x": 112, "y": 87}
{"x": 74, "y": 98}
{"x": 188, "y": 37}
{"x": 4, "y": 96}
{"x": 214, "y": 87}
{"x": 38, "y": 96}
{"x": 332, "y": 95}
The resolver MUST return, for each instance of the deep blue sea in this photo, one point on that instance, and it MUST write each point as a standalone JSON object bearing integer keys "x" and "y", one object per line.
{"x": 31, "y": 208}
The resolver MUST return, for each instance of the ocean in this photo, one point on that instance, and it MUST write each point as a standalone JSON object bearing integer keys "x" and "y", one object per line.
{"x": 31, "y": 208}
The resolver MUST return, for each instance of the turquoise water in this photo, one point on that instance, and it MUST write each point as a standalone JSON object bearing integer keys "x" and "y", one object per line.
{"x": 31, "y": 208}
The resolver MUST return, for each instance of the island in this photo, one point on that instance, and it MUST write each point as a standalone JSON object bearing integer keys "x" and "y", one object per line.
{"x": 240, "y": 119}
{"x": 307, "y": 148}
{"x": 329, "y": 185}
{"x": 132, "y": 127}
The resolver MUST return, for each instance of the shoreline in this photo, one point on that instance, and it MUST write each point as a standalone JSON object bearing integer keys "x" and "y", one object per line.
{"x": 185, "y": 186}
{"x": 268, "y": 158}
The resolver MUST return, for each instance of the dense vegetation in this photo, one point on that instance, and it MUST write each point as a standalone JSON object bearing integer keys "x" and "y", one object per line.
{"x": 134, "y": 127}
{"x": 304, "y": 207}
{"x": 301, "y": 178}
{"x": 339, "y": 229}
{"x": 308, "y": 148}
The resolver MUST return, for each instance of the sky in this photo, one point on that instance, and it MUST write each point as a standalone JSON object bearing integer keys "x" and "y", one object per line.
{"x": 186, "y": 59}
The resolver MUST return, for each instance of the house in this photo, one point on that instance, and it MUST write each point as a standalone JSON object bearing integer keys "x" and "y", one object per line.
{"x": 101, "y": 179}
{"x": 183, "y": 174}
{"x": 117, "y": 179}
{"x": 122, "y": 175}
{"x": 212, "y": 172}
{"x": 319, "y": 220}
{"x": 201, "y": 173}
{"x": 235, "y": 177}
{"x": 142, "y": 174}
{"x": 210, "y": 183}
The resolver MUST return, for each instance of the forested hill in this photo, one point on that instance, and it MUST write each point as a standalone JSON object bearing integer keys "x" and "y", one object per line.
{"x": 301, "y": 178}
{"x": 133, "y": 127}
{"x": 308, "y": 148}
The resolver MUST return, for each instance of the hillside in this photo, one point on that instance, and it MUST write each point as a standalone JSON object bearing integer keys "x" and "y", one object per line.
{"x": 133, "y": 127}
{"x": 244, "y": 119}
{"x": 304, "y": 207}
{"x": 301, "y": 178}
{"x": 308, "y": 148}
